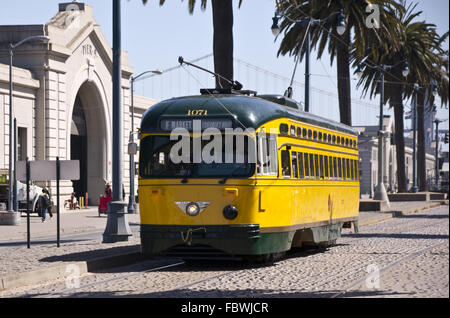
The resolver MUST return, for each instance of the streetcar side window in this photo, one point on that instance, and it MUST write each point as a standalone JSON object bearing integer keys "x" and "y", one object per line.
{"x": 349, "y": 170}
{"x": 309, "y": 133}
{"x": 304, "y": 132}
{"x": 292, "y": 130}
{"x": 320, "y": 136}
{"x": 299, "y": 132}
{"x": 322, "y": 172}
{"x": 273, "y": 155}
{"x": 331, "y": 168}
{"x": 285, "y": 164}
{"x": 316, "y": 163}
{"x": 325, "y": 163}
{"x": 335, "y": 175}
{"x": 300, "y": 165}
{"x": 334, "y": 139}
{"x": 294, "y": 164}
{"x": 340, "y": 168}
{"x": 284, "y": 128}
{"x": 353, "y": 164}
{"x": 344, "y": 169}
{"x": 306, "y": 166}
{"x": 357, "y": 169}
{"x": 315, "y": 135}
{"x": 311, "y": 165}
{"x": 267, "y": 155}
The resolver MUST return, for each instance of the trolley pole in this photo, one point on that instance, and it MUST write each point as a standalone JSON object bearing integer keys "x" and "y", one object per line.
{"x": 117, "y": 227}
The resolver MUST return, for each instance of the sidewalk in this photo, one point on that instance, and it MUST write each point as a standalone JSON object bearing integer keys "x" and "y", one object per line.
{"x": 74, "y": 221}
{"x": 44, "y": 261}
{"x": 397, "y": 209}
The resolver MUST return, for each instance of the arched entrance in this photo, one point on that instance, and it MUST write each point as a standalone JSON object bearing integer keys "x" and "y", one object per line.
{"x": 88, "y": 142}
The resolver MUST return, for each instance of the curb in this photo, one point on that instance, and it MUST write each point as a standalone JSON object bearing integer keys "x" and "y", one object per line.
{"x": 64, "y": 271}
{"x": 386, "y": 215}
{"x": 399, "y": 214}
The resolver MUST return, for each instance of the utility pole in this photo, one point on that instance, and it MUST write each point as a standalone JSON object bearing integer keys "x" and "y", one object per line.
{"x": 117, "y": 227}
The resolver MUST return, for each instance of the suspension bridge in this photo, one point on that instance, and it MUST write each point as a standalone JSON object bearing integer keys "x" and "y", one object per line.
{"x": 184, "y": 80}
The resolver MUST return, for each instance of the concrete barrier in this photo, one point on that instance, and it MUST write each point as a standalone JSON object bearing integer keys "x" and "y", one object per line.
{"x": 372, "y": 205}
{"x": 10, "y": 218}
{"x": 407, "y": 197}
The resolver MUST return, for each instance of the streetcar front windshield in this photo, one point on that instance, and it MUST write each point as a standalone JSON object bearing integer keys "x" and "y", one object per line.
{"x": 161, "y": 157}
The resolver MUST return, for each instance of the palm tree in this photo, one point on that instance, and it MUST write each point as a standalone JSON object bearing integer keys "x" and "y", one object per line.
{"x": 324, "y": 35}
{"x": 223, "y": 36}
{"x": 418, "y": 42}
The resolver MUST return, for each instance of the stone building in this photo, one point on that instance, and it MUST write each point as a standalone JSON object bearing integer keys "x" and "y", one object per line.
{"x": 62, "y": 97}
{"x": 368, "y": 152}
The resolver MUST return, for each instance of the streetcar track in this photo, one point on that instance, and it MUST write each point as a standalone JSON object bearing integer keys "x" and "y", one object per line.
{"x": 388, "y": 267}
{"x": 296, "y": 254}
{"x": 389, "y": 231}
{"x": 111, "y": 279}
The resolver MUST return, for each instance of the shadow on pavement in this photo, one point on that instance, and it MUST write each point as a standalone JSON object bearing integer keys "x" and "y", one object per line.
{"x": 34, "y": 242}
{"x": 425, "y": 216}
{"x": 398, "y": 236}
{"x": 93, "y": 254}
{"x": 223, "y": 296}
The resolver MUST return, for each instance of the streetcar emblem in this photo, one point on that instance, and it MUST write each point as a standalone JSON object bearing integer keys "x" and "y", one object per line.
{"x": 192, "y": 208}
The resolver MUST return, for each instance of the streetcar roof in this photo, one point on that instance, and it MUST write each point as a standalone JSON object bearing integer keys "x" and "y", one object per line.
{"x": 252, "y": 112}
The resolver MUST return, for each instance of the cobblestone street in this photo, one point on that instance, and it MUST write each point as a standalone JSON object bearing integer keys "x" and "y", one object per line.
{"x": 402, "y": 257}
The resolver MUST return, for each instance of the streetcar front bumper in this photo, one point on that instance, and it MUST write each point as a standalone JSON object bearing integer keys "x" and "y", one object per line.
{"x": 244, "y": 239}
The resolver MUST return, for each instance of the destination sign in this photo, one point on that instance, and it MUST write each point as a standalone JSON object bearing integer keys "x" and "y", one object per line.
{"x": 188, "y": 124}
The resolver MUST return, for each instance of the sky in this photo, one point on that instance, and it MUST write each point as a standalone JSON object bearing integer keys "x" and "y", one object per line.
{"x": 155, "y": 36}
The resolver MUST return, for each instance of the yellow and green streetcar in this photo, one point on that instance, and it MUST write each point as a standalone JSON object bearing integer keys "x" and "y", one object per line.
{"x": 281, "y": 178}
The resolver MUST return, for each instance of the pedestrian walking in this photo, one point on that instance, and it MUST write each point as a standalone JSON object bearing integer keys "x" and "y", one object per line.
{"x": 45, "y": 204}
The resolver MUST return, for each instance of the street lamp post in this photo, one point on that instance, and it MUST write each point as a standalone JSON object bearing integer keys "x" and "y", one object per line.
{"x": 308, "y": 22}
{"x": 436, "y": 173}
{"x": 12, "y": 47}
{"x": 117, "y": 227}
{"x": 132, "y": 206}
{"x": 414, "y": 188}
{"x": 380, "y": 190}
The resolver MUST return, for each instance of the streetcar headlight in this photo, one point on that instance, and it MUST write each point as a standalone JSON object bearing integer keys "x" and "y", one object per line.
{"x": 192, "y": 209}
{"x": 230, "y": 212}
